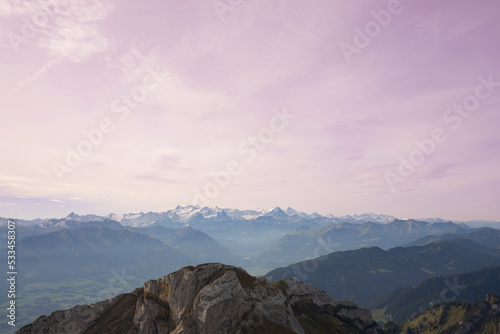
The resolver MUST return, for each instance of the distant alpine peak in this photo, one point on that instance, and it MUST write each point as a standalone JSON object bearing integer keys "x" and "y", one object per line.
{"x": 292, "y": 212}
{"x": 72, "y": 215}
{"x": 84, "y": 218}
{"x": 276, "y": 209}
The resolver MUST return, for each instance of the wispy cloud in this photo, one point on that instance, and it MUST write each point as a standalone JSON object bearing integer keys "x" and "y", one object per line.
{"x": 36, "y": 75}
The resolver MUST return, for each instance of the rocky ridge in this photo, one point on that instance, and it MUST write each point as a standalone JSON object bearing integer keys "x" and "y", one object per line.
{"x": 212, "y": 298}
{"x": 482, "y": 317}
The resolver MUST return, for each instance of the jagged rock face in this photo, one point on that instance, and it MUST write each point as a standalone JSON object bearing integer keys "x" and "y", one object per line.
{"x": 484, "y": 319}
{"x": 212, "y": 298}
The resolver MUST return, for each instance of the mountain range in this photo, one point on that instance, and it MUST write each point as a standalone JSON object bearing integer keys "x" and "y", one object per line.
{"x": 192, "y": 214}
{"x": 197, "y": 246}
{"x": 368, "y": 273}
{"x": 406, "y": 303}
{"x": 85, "y": 258}
{"x": 257, "y": 230}
{"x": 309, "y": 242}
{"x": 486, "y": 236}
{"x": 75, "y": 265}
{"x": 90, "y": 252}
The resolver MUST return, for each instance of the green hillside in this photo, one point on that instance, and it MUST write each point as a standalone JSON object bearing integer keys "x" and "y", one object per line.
{"x": 365, "y": 274}
{"x": 482, "y": 317}
{"x": 405, "y": 303}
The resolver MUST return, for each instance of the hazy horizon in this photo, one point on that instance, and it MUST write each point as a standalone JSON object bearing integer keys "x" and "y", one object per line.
{"x": 324, "y": 214}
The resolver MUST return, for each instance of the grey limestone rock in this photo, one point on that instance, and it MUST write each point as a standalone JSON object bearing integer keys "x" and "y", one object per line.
{"x": 211, "y": 298}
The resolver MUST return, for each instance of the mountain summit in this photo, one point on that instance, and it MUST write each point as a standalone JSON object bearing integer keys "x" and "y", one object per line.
{"x": 212, "y": 298}
{"x": 277, "y": 213}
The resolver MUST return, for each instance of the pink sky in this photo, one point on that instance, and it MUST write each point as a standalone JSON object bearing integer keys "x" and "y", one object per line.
{"x": 225, "y": 74}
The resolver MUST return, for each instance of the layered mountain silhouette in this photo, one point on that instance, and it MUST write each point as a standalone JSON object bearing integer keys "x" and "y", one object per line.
{"x": 196, "y": 245}
{"x": 91, "y": 252}
{"x": 81, "y": 259}
{"x": 486, "y": 236}
{"x": 406, "y": 303}
{"x": 367, "y": 273}
{"x": 309, "y": 242}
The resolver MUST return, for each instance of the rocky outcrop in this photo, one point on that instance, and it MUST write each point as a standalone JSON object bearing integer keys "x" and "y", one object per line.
{"x": 483, "y": 318}
{"x": 212, "y": 298}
